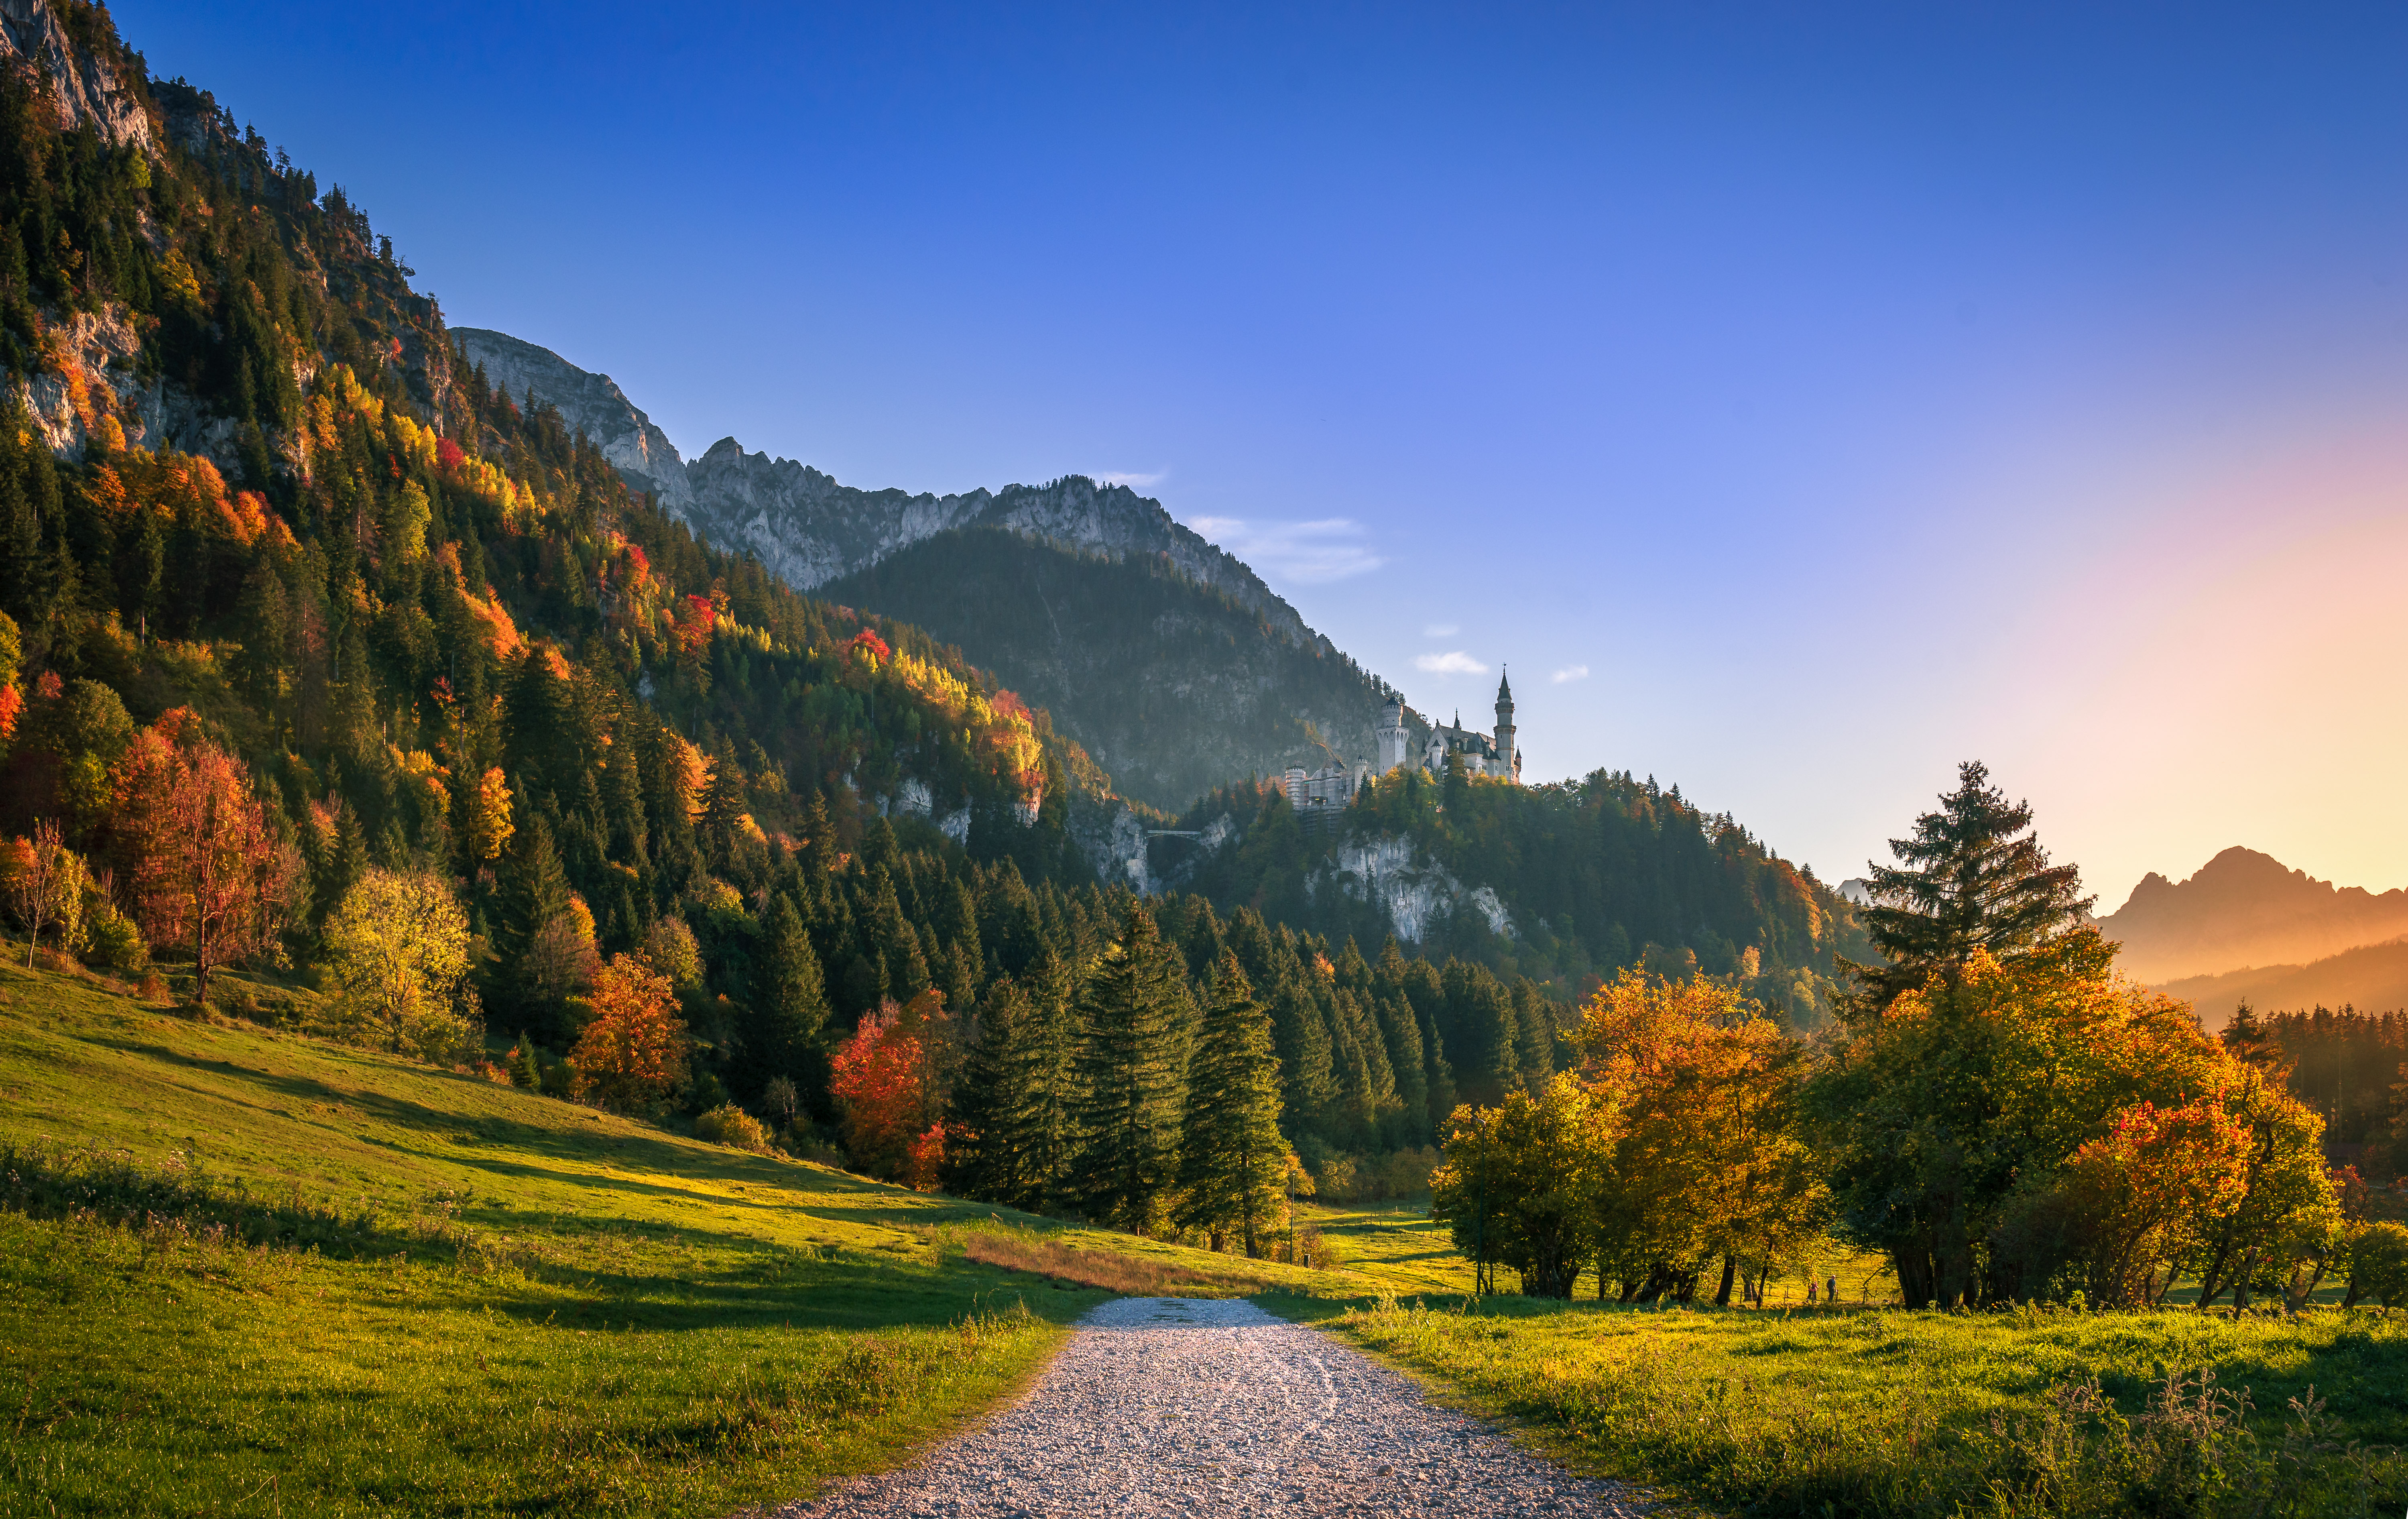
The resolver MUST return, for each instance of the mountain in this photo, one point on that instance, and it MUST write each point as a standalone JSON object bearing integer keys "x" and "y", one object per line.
{"x": 1172, "y": 685}
{"x": 2373, "y": 978}
{"x": 808, "y": 528}
{"x": 1167, "y": 658}
{"x": 591, "y": 403}
{"x": 2244, "y": 910}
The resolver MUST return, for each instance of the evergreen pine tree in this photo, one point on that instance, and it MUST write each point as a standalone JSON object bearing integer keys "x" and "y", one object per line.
{"x": 1129, "y": 1078}
{"x": 786, "y": 1035}
{"x": 1233, "y": 1163}
{"x": 991, "y": 1103}
{"x": 1971, "y": 878}
{"x": 531, "y": 896}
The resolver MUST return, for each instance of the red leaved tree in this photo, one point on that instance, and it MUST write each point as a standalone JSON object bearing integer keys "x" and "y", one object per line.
{"x": 2140, "y": 1194}
{"x": 210, "y": 875}
{"x": 634, "y": 1052}
{"x": 880, "y": 1080}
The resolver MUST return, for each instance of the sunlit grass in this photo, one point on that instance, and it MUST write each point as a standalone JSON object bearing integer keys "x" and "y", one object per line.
{"x": 1887, "y": 1412}
{"x": 491, "y": 1302}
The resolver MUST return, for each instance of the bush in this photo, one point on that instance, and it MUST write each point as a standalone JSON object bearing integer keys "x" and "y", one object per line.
{"x": 117, "y": 943}
{"x": 2378, "y": 1265}
{"x": 731, "y": 1125}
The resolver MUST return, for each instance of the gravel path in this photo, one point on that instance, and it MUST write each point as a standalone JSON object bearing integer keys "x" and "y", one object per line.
{"x": 1187, "y": 1407}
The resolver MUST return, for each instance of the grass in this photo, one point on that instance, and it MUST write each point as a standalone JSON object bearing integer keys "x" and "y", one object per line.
{"x": 247, "y": 1272}
{"x": 1881, "y": 1411}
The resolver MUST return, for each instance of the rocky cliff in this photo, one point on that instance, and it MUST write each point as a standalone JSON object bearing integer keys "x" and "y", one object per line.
{"x": 85, "y": 73}
{"x": 593, "y": 403}
{"x": 808, "y": 528}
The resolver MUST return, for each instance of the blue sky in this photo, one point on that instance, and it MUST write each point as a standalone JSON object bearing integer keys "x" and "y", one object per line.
{"x": 1825, "y": 395}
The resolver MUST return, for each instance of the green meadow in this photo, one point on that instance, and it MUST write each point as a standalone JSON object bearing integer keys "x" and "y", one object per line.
{"x": 246, "y": 1272}
{"x": 243, "y": 1271}
{"x": 1886, "y": 1411}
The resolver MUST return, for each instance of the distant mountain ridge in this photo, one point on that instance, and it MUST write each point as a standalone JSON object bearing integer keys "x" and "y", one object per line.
{"x": 1169, "y": 658}
{"x": 808, "y": 528}
{"x": 2244, "y": 910}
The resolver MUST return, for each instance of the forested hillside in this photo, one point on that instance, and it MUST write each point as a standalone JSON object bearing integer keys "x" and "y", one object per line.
{"x": 1175, "y": 686}
{"x": 323, "y": 656}
{"x": 1588, "y": 877}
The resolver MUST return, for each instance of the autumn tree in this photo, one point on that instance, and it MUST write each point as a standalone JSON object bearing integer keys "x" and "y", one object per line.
{"x": 45, "y": 882}
{"x": 1708, "y": 1169}
{"x": 1936, "y": 1109}
{"x": 1233, "y": 1161}
{"x": 633, "y": 1050}
{"x": 877, "y": 1078}
{"x": 397, "y": 951}
{"x": 210, "y": 875}
{"x": 2140, "y": 1201}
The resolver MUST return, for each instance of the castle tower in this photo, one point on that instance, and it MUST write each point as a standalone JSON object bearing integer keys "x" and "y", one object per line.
{"x": 1390, "y": 751}
{"x": 1509, "y": 759}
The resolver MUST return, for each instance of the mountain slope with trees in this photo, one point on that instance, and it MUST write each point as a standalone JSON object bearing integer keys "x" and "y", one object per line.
{"x": 1173, "y": 685}
{"x": 1169, "y": 660}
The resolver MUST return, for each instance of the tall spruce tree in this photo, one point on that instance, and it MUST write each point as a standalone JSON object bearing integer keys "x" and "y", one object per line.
{"x": 1130, "y": 1075}
{"x": 1971, "y": 878}
{"x": 531, "y": 900}
{"x": 1233, "y": 1163}
{"x": 787, "y": 1032}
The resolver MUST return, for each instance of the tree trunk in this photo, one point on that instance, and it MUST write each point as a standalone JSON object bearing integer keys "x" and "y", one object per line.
{"x": 1730, "y": 1270}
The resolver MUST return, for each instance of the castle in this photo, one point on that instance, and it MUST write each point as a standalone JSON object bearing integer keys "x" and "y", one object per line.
{"x": 1320, "y": 795}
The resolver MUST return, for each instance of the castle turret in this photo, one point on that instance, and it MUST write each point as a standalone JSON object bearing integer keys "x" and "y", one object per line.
{"x": 1390, "y": 751}
{"x": 1509, "y": 759}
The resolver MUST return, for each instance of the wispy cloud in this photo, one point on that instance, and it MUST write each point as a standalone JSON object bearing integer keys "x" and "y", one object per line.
{"x": 1570, "y": 672}
{"x": 1455, "y": 663}
{"x": 1133, "y": 480}
{"x": 1310, "y": 553}
{"x": 1440, "y": 630}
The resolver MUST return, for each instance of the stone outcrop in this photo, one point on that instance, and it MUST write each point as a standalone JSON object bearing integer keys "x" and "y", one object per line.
{"x": 593, "y": 403}
{"x": 808, "y": 528}
{"x": 1416, "y": 895}
{"x": 90, "y": 90}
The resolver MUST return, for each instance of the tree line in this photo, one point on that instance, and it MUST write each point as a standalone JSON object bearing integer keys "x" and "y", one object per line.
{"x": 1994, "y": 1110}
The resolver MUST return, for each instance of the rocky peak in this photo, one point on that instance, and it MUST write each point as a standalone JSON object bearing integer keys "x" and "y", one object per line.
{"x": 92, "y": 82}
{"x": 591, "y": 403}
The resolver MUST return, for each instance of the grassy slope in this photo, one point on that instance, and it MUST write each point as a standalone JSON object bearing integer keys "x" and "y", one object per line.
{"x": 534, "y": 1308}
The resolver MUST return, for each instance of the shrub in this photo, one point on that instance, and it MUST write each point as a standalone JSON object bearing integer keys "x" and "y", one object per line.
{"x": 731, "y": 1125}
{"x": 2378, "y": 1265}
{"x": 117, "y": 942}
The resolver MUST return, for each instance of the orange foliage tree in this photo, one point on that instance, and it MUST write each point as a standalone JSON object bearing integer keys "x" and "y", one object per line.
{"x": 634, "y": 1052}
{"x": 2142, "y": 1193}
{"x": 880, "y": 1080}
{"x": 209, "y": 874}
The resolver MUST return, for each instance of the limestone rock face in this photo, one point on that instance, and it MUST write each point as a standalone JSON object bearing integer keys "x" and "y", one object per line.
{"x": 640, "y": 450}
{"x": 89, "y": 89}
{"x": 808, "y": 528}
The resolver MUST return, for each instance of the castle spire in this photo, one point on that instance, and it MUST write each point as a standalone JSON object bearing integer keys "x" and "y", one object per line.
{"x": 1504, "y": 687}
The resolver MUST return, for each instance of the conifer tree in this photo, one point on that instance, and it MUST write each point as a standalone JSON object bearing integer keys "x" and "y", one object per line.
{"x": 985, "y": 1156}
{"x": 1972, "y": 877}
{"x": 788, "y": 1029}
{"x": 1233, "y": 1163}
{"x": 1130, "y": 1078}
